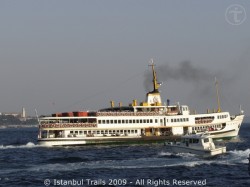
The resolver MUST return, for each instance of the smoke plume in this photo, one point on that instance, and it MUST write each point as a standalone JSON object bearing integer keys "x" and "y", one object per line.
{"x": 185, "y": 71}
{"x": 200, "y": 83}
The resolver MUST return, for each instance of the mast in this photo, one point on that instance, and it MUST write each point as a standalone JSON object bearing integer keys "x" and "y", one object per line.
{"x": 155, "y": 83}
{"x": 217, "y": 94}
{"x": 153, "y": 98}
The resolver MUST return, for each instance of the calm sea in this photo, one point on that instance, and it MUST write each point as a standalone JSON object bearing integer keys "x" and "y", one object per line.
{"x": 24, "y": 163}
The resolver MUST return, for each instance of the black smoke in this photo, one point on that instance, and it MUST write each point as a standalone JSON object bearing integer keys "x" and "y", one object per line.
{"x": 185, "y": 71}
{"x": 199, "y": 89}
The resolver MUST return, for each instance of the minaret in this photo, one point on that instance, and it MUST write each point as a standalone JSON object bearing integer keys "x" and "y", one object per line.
{"x": 23, "y": 115}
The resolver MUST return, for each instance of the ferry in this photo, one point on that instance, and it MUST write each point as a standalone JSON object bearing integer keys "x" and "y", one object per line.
{"x": 148, "y": 121}
{"x": 199, "y": 144}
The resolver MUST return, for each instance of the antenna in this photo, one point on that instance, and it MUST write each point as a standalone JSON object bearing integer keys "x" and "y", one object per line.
{"x": 217, "y": 94}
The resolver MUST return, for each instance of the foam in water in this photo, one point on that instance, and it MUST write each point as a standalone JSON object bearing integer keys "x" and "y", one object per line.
{"x": 28, "y": 145}
{"x": 165, "y": 153}
{"x": 191, "y": 160}
{"x": 240, "y": 155}
{"x": 182, "y": 159}
{"x": 188, "y": 160}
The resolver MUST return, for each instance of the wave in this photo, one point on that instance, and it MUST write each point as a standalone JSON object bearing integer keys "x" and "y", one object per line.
{"x": 240, "y": 156}
{"x": 105, "y": 164}
{"x": 241, "y": 153}
{"x": 3, "y": 127}
{"x": 140, "y": 163}
{"x": 67, "y": 159}
{"x": 230, "y": 158}
{"x": 28, "y": 145}
{"x": 77, "y": 163}
{"x": 168, "y": 155}
{"x": 161, "y": 160}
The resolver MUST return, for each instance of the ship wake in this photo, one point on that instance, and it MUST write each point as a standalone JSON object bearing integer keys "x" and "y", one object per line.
{"x": 28, "y": 145}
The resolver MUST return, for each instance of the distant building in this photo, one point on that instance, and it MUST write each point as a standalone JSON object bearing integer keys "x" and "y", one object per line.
{"x": 11, "y": 114}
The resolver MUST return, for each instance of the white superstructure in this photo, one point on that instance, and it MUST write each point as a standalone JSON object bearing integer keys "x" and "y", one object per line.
{"x": 149, "y": 121}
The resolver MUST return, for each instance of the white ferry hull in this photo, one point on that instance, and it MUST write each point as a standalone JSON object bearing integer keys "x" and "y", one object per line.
{"x": 57, "y": 142}
{"x": 85, "y": 141}
{"x": 225, "y": 134}
{"x": 231, "y": 130}
{"x": 103, "y": 140}
{"x": 78, "y": 142}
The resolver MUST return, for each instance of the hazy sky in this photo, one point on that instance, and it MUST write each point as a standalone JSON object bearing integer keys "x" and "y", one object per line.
{"x": 63, "y": 55}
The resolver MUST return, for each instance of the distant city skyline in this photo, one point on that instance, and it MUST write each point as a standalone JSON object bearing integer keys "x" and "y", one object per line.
{"x": 21, "y": 113}
{"x": 59, "y": 56}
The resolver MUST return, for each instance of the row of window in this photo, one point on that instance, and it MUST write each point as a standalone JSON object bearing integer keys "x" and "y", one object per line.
{"x": 189, "y": 140}
{"x": 126, "y": 121}
{"x": 104, "y": 132}
{"x": 193, "y": 141}
{"x": 205, "y": 127}
{"x": 129, "y": 121}
{"x": 222, "y": 116}
{"x": 180, "y": 120}
{"x": 84, "y": 120}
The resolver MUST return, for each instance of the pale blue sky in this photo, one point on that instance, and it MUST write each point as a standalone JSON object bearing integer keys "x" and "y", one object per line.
{"x": 62, "y": 55}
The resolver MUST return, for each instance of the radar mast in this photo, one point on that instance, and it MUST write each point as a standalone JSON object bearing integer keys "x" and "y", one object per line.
{"x": 155, "y": 83}
{"x": 153, "y": 98}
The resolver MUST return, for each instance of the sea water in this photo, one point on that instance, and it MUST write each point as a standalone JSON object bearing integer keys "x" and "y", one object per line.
{"x": 24, "y": 163}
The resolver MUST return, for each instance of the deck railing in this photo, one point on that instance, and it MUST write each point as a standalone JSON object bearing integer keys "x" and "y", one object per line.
{"x": 129, "y": 113}
{"x": 68, "y": 125}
